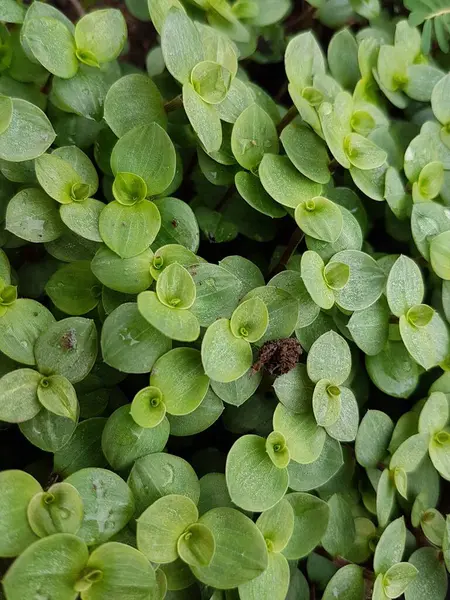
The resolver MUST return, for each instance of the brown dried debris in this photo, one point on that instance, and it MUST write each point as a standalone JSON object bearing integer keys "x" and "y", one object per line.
{"x": 278, "y": 357}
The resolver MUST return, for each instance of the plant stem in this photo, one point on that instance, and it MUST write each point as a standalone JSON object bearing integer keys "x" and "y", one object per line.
{"x": 295, "y": 239}
{"x": 288, "y": 117}
{"x": 173, "y": 104}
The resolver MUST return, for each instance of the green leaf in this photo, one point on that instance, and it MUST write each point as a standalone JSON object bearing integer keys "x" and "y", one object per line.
{"x": 404, "y": 287}
{"x": 100, "y": 36}
{"x": 282, "y": 308}
{"x": 304, "y": 438}
{"x": 254, "y": 482}
{"x": 204, "y": 119}
{"x": 307, "y": 151}
{"x": 370, "y": 181}
{"x": 393, "y": 370}
{"x": 178, "y": 224}
{"x": 440, "y": 453}
{"x": 277, "y": 524}
{"x": 335, "y": 121}
{"x": 329, "y": 358}
{"x": 372, "y": 440}
{"x": 6, "y": 107}
{"x": 347, "y": 583}
{"x": 123, "y": 441}
{"x": 343, "y": 58}
{"x": 303, "y": 59}
{"x": 326, "y": 403}
{"x": 174, "y": 323}
{"x": 390, "y": 547}
{"x": 362, "y": 153}
{"x": 434, "y": 414}
{"x": 366, "y": 282}
{"x": 273, "y": 584}
{"x": 303, "y": 478}
{"x": 427, "y": 342}
{"x": 433, "y": 526}
{"x": 370, "y": 327}
{"x": 126, "y": 275}
{"x": 225, "y": 357}
{"x": 439, "y": 254}
{"x": 319, "y": 218}
{"x": 18, "y": 489}
{"x": 58, "y": 510}
{"x": 74, "y": 289}
{"x": 239, "y": 97}
{"x": 48, "y": 431}
{"x": 107, "y": 501}
{"x": 313, "y": 276}
{"x": 33, "y": 216}
{"x": 445, "y": 543}
{"x": 340, "y": 532}
{"x": 178, "y": 576}
{"x": 58, "y": 395}
{"x": 431, "y": 179}
{"x": 250, "y": 188}
{"x": 291, "y": 281}
{"x": 410, "y": 453}
{"x": 159, "y": 9}
{"x": 181, "y": 45}
{"x": 284, "y": 183}
{"x": 18, "y": 398}
{"x": 198, "y": 420}
{"x": 421, "y": 81}
{"x": 175, "y": 287}
{"x": 180, "y": 377}
{"x": 129, "y": 343}
{"x": 311, "y": 516}
{"x": 253, "y": 135}
{"x": 51, "y": 43}
{"x": 148, "y": 479}
{"x": 83, "y": 449}
{"x": 28, "y": 576}
{"x": 211, "y": 81}
{"x": 132, "y": 101}
{"x": 116, "y": 571}
{"x": 147, "y": 408}
{"x": 439, "y": 102}
{"x": 294, "y": 389}
{"x": 129, "y": 230}
{"x": 20, "y": 328}
{"x": 12, "y": 12}
{"x": 160, "y": 526}
{"x": 67, "y": 348}
{"x": 129, "y": 189}
{"x": 345, "y": 427}
{"x": 249, "y": 320}
{"x": 196, "y": 546}
{"x": 135, "y": 153}
{"x": 432, "y": 577}
{"x": 83, "y": 218}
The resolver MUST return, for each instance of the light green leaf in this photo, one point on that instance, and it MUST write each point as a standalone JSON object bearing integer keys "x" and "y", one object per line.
{"x": 329, "y": 358}
{"x": 343, "y": 58}
{"x": 433, "y": 526}
{"x": 18, "y": 397}
{"x": 131, "y": 101}
{"x": 440, "y": 253}
{"x": 362, "y": 153}
{"x": 174, "y": 323}
{"x": 385, "y": 498}
{"x": 273, "y": 584}
{"x": 204, "y": 119}
{"x": 304, "y": 438}
{"x": 393, "y": 370}
{"x": 307, "y": 151}
{"x": 83, "y": 448}
{"x": 100, "y": 36}
{"x": 440, "y": 453}
{"x": 126, "y": 275}
{"x": 404, "y": 287}
{"x": 434, "y": 414}
{"x": 250, "y": 188}
{"x": 439, "y": 102}
{"x": 390, "y": 547}
{"x": 346, "y": 426}
{"x": 107, "y": 501}
{"x": 27, "y": 577}
{"x": 58, "y": 395}
{"x": 312, "y": 269}
{"x": 253, "y": 480}
{"x": 432, "y": 580}
{"x": 311, "y": 516}
{"x": 303, "y": 59}
{"x": 372, "y": 440}
{"x": 181, "y": 45}
{"x": 253, "y": 135}
{"x": 410, "y": 453}
{"x": 58, "y": 510}
{"x": 12, "y": 12}
{"x": 52, "y": 44}
{"x": 16, "y": 534}
{"x": 284, "y": 183}
{"x": 303, "y": 478}
{"x": 347, "y": 583}
{"x": 294, "y": 389}
{"x": 249, "y": 320}
{"x": 335, "y": 121}
{"x": 370, "y": 327}
{"x": 196, "y": 546}
{"x": 211, "y": 81}
{"x": 241, "y": 553}
{"x": 225, "y": 357}
{"x": 33, "y": 216}
{"x": 135, "y": 153}
{"x": 175, "y": 287}
{"x": 319, "y": 218}
{"x": 340, "y": 532}
{"x": 74, "y": 289}
{"x": 428, "y": 344}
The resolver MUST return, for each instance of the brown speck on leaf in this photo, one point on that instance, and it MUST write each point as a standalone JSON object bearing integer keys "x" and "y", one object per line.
{"x": 174, "y": 223}
{"x": 278, "y": 357}
{"x": 69, "y": 340}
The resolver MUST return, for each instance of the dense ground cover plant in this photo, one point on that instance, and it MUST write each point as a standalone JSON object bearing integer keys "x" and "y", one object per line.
{"x": 224, "y": 321}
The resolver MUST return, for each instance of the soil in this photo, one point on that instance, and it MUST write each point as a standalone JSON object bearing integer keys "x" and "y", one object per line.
{"x": 278, "y": 357}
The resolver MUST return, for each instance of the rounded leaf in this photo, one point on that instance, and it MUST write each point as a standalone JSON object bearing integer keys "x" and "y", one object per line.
{"x": 303, "y": 478}
{"x": 311, "y": 516}
{"x": 273, "y": 584}
{"x": 277, "y": 524}
{"x": 250, "y": 320}
{"x": 304, "y": 438}
{"x": 404, "y": 287}
{"x": 18, "y": 397}
{"x": 175, "y": 287}
{"x": 174, "y": 323}
{"x": 225, "y": 358}
{"x": 329, "y": 358}
{"x": 319, "y": 218}
{"x": 196, "y": 545}
{"x": 211, "y": 81}
{"x": 432, "y": 578}
{"x": 100, "y": 36}
{"x": 147, "y": 408}
{"x": 33, "y": 216}
{"x": 58, "y": 510}
{"x": 254, "y": 134}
